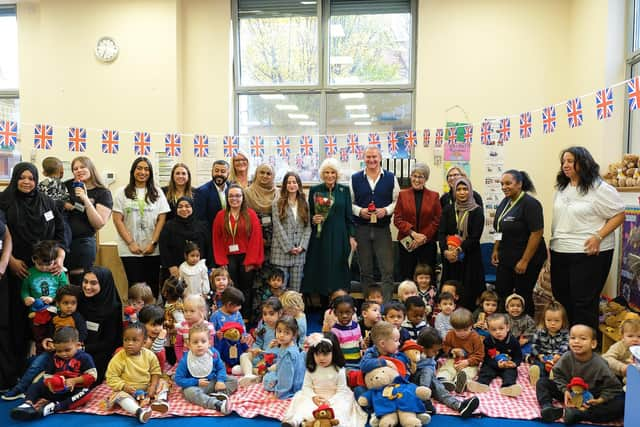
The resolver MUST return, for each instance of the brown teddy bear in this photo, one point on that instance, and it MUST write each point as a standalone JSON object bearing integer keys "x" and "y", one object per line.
{"x": 323, "y": 417}
{"x": 413, "y": 351}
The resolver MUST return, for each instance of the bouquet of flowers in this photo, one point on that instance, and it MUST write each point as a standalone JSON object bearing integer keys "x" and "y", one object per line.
{"x": 322, "y": 204}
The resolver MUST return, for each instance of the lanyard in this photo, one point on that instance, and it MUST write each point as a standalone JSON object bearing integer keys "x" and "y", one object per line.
{"x": 507, "y": 209}
{"x": 233, "y": 226}
{"x": 461, "y": 220}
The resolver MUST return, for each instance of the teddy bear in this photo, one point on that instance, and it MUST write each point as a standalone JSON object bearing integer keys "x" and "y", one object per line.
{"x": 264, "y": 363}
{"x": 413, "y": 351}
{"x": 130, "y": 315}
{"x": 580, "y": 394}
{"x": 56, "y": 383}
{"x": 323, "y": 416}
{"x": 41, "y": 312}
{"x": 229, "y": 345}
{"x": 393, "y": 399}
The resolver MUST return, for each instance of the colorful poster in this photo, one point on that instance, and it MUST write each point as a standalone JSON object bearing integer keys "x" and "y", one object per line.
{"x": 457, "y": 152}
{"x": 630, "y": 268}
{"x": 465, "y": 166}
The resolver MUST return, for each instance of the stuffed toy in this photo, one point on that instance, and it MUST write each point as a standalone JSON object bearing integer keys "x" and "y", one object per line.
{"x": 265, "y": 361}
{"x": 394, "y": 400}
{"x": 229, "y": 346}
{"x": 454, "y": 243}
{"x": 56, "y": 384}
{"x": 497, "y": 356}
{"x": 579, "y": 391}
{"x": 141, "y": 397}
{"x": 130, "y": 315}
{"x": 41, "y": 312}
{"x": 323, "y": 417}
{"x": 413, "y": 351}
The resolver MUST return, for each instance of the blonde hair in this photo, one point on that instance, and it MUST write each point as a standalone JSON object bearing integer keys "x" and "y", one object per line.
{"x": 407, "y": 286}
{"x": 381, "y": 331}
{"x": 292, "y": 299}
{"x": 141, "y": 291}
{"x": 216, "y": 272}
{"x": 630, "y": 325}
{"x": 461, "y": 318}
{"x": 199, "y": 328}
{"x": 198, "y": 302}
{"x": 554, "y": 306}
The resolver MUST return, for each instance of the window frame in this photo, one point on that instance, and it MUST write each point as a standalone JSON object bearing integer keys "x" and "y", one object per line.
{"x": 9, "y": 10}
{"x": 632, "y": 58}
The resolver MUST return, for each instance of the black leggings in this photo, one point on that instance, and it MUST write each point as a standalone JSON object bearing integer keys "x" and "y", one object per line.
{"x": 508, "y": 281}
{"x": 143, "y": 269}
{"x": 242, "y": 280}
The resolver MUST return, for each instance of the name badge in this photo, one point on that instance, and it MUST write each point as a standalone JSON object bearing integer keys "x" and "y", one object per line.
{"x": 497, "y": 237}
{"x": 266, "y": 220}
{"x": 93, "y": 326}
{"x": 48, "y": 215}
{"x": 234, "y": 248}
{"x": 78, "y": 206}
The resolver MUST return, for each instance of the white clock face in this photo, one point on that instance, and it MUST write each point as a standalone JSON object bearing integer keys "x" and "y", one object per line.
{"x": 106, "y": 49}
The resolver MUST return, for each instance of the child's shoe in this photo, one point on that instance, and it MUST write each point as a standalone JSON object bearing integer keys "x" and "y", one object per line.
{"x": 13, "y": 394}
{"x": 143, "y": 414}
{"x": 424, "y": 418}
{"x": 161, "y": 406}
{"x": 25, "y": 412}
{"x": 468, "y": 406}
{"x": 572, "y": 415}
{"x": 550, "y": 413}
{"x": 461, "y": 382}
{"x": 222, "y": 406}
{"x": 534, "y": 375}
{"x": 48, "y": 409}
{"x": 448, "y": 385}
{"x": 511, "y": 390}
{"x": 476, "y": 387}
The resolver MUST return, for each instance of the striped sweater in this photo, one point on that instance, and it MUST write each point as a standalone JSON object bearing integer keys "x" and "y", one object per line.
{"x": 349, "y": 338}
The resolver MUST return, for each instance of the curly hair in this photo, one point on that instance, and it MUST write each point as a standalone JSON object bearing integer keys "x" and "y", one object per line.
{"x": 587, "y": 169}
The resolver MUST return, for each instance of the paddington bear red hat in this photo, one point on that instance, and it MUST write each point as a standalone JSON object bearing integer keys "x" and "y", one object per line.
{"x": 232, "y": 325}
{"x": 454, "y": 240}
{"x": 577, "y": 381}
{"x": 323, "y": 408}
{"x": 399, "y": 364}
{"x": 411, "y": 345}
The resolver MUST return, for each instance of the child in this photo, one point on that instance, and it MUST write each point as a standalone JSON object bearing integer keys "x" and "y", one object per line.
{"x": 133, "y": 375}
{"x": 370, "y": 316}
{"x": 52, "y": 186}
{"x": 202, "y": 375}
{"x": 265, "y": 341}
{"x": 347, "y": 330}
{"x": 293, "y": 305}
{"x": 550, "y": 341}
{"x": 194, "y": 271}
{"x": 424, "y": 278}
{"x": 487, "y": 305}
{"x": 502, "y": 355}
{"x": 221, "y": 280}
{"x": 446, "y": 303}
{"x": 450, "y": 286}
{"x": 138, "y": 296}
{"x": 618, "y": 356}
{"x": 522, "y": 325}
{"x": 69, "y": 372}
{"x": 394, "y": 313}
{"x": 229, "y": 311}
{"x": 152, "y": 317}
{"x": 464, "y": 349}
{"x": 329, "y": 319}
{"x": 287, "y": 377}
{"x": 172, "y": 293}
{"x": 374, "y": 293}
{"x": 195, "y": 312}
{"x": 385, "y": 338}
{"x": 581, "y": 361}
{"x": 275, "y": 282}
{"x": 324, "y": 383}
{"x": 406, "y": 289}
{"x": 416, "y": 316}
{"x": 431, "y": 343}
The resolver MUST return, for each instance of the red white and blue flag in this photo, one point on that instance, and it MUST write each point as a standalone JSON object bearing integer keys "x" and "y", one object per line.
{"x": 374, "y": 139}
{"x": 110, "y": 141}
{"x": 439, "y": 136}
{"x": 283, "y": 146}
{"x": 77, "y": 139}
{"x": 485, "y": 133}
{"x": 392, "y": 142}
{"x": 574, "y": 112}
{"x": 352, "y": 142}
{"x": 525, "y": 125}
{"x": 256, "y": 143}
{"x": 604, "y": 103}
{"x": 230, "y": 146}
{"x": 306, "y": 145}
{"x": 504, "y": 130}
{"x": 426, "y": 138}
{"x": 360, "y": 152}
{"x": 549, "y": 119}
{"x": 468, "y": 134}
{"x": 410, "y": 140}
{"x": 344, "y": 154}
{"x": 452, "y": 134}
{"x": 8, "y": 134}
{"x": 299, "y": 161}
{"x": 201, "y": 145}
{"x": 142, "y": 143}
{"x": 633, "y": 90}
{"x": 173, "y": 144}
{"x": 331, "y": 145}
{"x": 43, "y": 137}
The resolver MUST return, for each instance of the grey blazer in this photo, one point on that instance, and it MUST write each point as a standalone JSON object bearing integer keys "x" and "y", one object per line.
{"x": 288, "y": 234}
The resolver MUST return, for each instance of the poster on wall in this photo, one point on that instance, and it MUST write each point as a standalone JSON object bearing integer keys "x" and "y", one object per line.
{"x": 492, "y": 169}
{"x": 630, "y": 260}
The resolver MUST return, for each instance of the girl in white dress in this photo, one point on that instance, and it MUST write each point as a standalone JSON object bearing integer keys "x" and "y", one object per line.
{"x": 324, "y": 383}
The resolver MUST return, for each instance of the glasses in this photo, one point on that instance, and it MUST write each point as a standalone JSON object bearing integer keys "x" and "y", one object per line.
{"x": 453, "y": 175}
{"x": 420, "y": 177}
{"x": 240, "y": 161}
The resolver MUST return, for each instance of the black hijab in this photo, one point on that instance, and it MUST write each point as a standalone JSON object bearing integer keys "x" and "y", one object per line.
{"x": 106, "y": 303}
{"x": 188, "y": 221}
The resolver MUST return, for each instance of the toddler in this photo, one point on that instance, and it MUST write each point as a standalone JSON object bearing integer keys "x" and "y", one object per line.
{"x": 194, "y": 271}
{"x": 195, "y": 312}
{"x": 487, "y": 305}
{"x": 51, "y": 185}
{"x": 370, "y": 316}
{"x": 286, "y": 376}
{"x": 385, "y": 339}
{"x": 450, "y": 286}
{"x": 446, "y": 303}
{"x": 172, "y": 293}
{"x": 221, "y": 280}
{"x": 618, "y": 356}
{"x": 232, "y": 300}
{"x": 416, "y": 316}
{"x": 274, "y": 286}
{"x": 394, "y": 313}
{"x": 329, "y": 319}
{"x": 347, "y": 330}
{"x": 522, "y": 325}
{"x": 406, "y": 289}
{"x": 293, "y": 305}
{"x": 374, "y": 293}
{"x": 550, "y": 341}
{"x": 424, "y": 278}
{"x": 152, "y": 317}
{"x": 139, "y": 295}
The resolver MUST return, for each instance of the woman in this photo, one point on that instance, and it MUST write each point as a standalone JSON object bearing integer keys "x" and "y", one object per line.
{"x": 88, "y": 212}
{"x": 453, "y": 174}
{"x": 464, "y": 220}
{"x": 177, "y": 231}
{"x": 586, "y": 211}
{"x": 332, "y": 234}
{"x": 239, "y": 173}
{"x": 237, "y": 243}
{"x": 179, "y": 186}
{"x": 291, "y": 230}
{"x": 260, "y": 196}
{"x": 519, "y": 250}
{"x": 100, "y": 306}
{"x": 139, "y": 212}
{"x": 31, "y": 217}
{"x": 417, "y": 215}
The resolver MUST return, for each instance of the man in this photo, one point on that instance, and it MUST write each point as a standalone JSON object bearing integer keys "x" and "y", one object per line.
{"x": 374, "y": 193}
{"x": 212, "y": 196}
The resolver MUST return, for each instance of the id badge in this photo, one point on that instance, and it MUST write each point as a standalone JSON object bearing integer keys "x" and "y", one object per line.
{"x": 48, "y": 215}
{"x": 234, "y": 248}
{"x": 78, "y": 206}
{"x": 497, "y": 237}
{"x": 93, "y": 326}
{"x": 266, "y": 220}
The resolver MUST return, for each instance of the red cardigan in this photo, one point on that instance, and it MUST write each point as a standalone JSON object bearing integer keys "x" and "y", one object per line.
{"x": 405, "y": 213}
{"x": 251, "y": 245}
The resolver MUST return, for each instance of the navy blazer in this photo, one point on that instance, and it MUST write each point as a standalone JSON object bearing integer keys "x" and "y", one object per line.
{"x": 207, "y": 202}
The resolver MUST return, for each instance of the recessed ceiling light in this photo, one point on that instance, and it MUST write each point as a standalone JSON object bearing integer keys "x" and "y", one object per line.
{"x": 304, "y": 123}
{"x": 307, "y": 2}
{"x": 298, "y": 116}
{"x": 287, "y": 107}
{"x": 272, "y": 96}
{"x": 359, "y": 116}
{"x": 355, "y": 107}
{"x": 362, "y": 123}
{"x": 352, "y": 95}
{"x": 253, "y": 123}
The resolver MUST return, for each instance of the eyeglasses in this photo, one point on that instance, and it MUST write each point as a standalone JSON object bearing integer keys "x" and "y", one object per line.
{"x": 453, "y": 175}
{"x": 418, "y": 177}
{"x": 240, "y": 161}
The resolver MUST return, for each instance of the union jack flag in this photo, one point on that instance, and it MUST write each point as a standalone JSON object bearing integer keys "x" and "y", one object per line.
{"x": 452, "y": 135}
{"x": 604, "y": 103}
{"x": 173, "y": 144}
{"x": 549, "y": 119}
{"x": 230, "y": 146}
{"x": 439, "y": 136}
{"x": 485, "y": 133}
{"x": 8, "y": 133}
{"x": 142, "y": 143}
{"x": 633, "y": 89}
{"x": 272, "y": 161}
{"x": 200, "y": 145}
{"x": 468, "y": 134}
{"x": 43, "y": 137}
{"x": 352, "y": 142}
{"x": 410, "y": 140}
{"x": 283, "y": 146}
{"x": 257, "y": 146}
{"x": 344, "y": 154}
{"x": 392, "y": 142}
{"x": 331, "y": 145}
{"x": 110, "y": 141}
{"x": 574, "y": 112}
{"x": 426, "y": 138}
{"x": 299, "y": 161}
{"x": 525, "y": 125}
{"x": 360, "y": 152}
{"x": 374, "y": 139}
{"x": 504, "y": 131}
{"x": 306, "y": 145}
{"x": 77, "y": 139}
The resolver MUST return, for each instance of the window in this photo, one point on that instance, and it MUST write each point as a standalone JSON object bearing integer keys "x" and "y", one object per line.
{"x": 633, "y": 69}
{"x": 8, "y": 64}
{"x": 316, "y": 68}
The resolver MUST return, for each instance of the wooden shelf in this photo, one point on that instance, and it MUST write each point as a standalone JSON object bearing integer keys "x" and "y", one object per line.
{"x": 628, "y": 189}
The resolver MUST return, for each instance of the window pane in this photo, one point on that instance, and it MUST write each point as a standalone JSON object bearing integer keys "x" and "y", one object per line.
{"x": 8, "y": 52}
{"x": 634, "y": 121}
{"x": 373, "y": 49}
{"x": 9, "y": 109}
{"x": 636, "y": 25}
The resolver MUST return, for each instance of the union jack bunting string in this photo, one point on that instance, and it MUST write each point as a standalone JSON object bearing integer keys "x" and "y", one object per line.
{"x": 77, "y": 139}
{"x": 374, "y": 139}
{"x": 257, "y": 146}
{"x": 359, "y": 152}
{"x": 485, "y": 133}
{"x": 426, "y": 138}
{"x": 201, "y": 145}
{"x": 110, "y": 141}
{"x": 525, "y": 125}
{"x": 43, "y": 137}
{"x": 633, "y": 90}
{"x": 331, "y": 145}
{"x": 306, "y": 145}
{"x": 352, "y": 142}
{"x": 173, "y": 144}
{"x": 468, "y": 134}
{"x": 230, "y": 146}
{"x": 604, "y": 103}
{"x": 549, "y": 119}
{"x": 299, "y": 161}
{"x": 142, "y": 143}
{"x": 283, "y": 146}
{"x": 392, "y": 142}
{"x": 439, "y": 135}
{"x": 574, "y": 112}
{"x": 504, "y": 131}
{"x": 410, "y": 140}
{"x": 8, "y": 134}
{"x": 452, "y": 135}
{"x": 344, "y": 154}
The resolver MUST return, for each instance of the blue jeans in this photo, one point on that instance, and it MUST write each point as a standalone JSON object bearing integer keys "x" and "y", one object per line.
{"x": 427, "y": 377}
{"x": 36, "y": 365}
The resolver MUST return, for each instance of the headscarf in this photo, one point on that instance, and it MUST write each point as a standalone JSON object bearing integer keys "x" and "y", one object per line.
{"x": 106, "y": 303}
{"x": 188, "y": 220}
{"x": 463, "y": 208}
{"x": 260, "y": 196}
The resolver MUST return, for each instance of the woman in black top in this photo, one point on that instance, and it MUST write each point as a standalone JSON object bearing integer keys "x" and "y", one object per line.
{"x": 519, "y": 250}
{"x": 453, "y": 174}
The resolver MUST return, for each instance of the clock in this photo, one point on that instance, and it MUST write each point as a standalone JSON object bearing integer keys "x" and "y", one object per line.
{"x": 106, "y": 49}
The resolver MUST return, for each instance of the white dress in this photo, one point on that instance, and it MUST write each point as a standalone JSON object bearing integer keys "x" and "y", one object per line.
{"x": 332, "y": 385}
{"x": 195, "y": 277}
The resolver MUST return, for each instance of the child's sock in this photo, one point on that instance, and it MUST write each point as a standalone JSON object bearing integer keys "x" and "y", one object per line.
{"x": 129, "y": 405}
{"x": 511, "y": 390}
{"x": 476, "y": 387}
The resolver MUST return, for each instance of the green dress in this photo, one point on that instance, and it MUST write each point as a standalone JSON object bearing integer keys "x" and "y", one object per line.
{"x": 327, "y": 264}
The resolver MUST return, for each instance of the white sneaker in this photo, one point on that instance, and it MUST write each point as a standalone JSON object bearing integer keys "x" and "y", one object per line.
{"x": 476, "y": 387}
{"x": 143, "y": 415}
{"x": 161, "y": 406}
{"x": 223, "y": 407}
{"x": 48, "y": 409}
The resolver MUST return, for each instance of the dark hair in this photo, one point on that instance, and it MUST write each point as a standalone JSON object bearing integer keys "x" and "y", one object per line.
{"x": 221, "y": 162}
{"x": 428, "y": 337}
{"x": 394, "y": 305}
{"x": 323, "y": 347}
{"x": 344, "y": 299}
{"x": 283, "y": 203}
{"x": 130, "y": 189}
{"x": 371, "y": 289}
{"x": 446, "y": 296}
{"x": 151, "y": 313}
{"x": 522, "y": 177}
{"x": 554, "y": 306}
{"x": 68, "y": 290}
{"x": 275, "y": 273}
{"x": 173, "y": 288}
{"x": 272, "y": 302}
{"x": 233, "y": 296}
{"x": 244, "y": 213}
{"x": 455, "y": 283}
{"x": 423, "y": 269}
{"x": 172, "y": 189}
{"x": 367, "y": 305}
{"x": 414, "y": 301}
{"x": 587, "y": 169}
{"x": 66, "y": 334}
{"x": 51, "y": 165}
{"x": 138, "y": 326}
{"x": 487, "y": 296}
{"x": 45, "y": 251}
{"x": 190, "y": 246}
{"x": 289, "y": 323}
